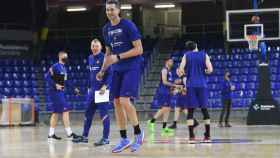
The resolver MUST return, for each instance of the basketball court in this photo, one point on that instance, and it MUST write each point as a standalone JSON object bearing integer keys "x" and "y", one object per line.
{"x": 238, "y": 141}
{"x": 250, "y": 51}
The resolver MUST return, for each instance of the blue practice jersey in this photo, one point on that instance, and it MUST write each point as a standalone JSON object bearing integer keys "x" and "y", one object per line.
{"x": 95, "y": 64}
{"x": 195, "y": 69}
{"x": 119, "y": 39}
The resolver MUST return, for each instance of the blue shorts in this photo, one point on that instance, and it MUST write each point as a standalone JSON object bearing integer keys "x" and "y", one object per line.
{"x": 125, "y": 84}
{"x": 182, "y": 101}
{"x": 59, "y": 104}
{"x": 173, "y": 101}
{"x": 164, "y": 99}
{"x": 197, "y": 97}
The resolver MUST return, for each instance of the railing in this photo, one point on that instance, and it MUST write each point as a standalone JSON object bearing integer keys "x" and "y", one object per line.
{"x": 75, "y": 33}
{"x": 211, "y": 28}
{"x": 14, "y": 26}
{"x": 168, "y": 31}
{"x": 161, "y": 30}
{"x": 191, "y": 29}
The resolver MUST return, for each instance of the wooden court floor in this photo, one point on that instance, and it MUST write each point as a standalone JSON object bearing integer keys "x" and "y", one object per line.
{"x": 240, "y": 141}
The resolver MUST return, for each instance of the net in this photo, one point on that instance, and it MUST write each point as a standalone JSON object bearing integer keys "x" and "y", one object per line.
{"x": 17, "y": 111}
{"x": 253, "y": 41}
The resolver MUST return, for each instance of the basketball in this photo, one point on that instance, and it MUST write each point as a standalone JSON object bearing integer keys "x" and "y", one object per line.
{"x": 255, "y": 19}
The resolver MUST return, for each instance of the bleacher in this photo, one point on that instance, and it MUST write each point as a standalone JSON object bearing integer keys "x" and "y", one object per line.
{"x": 18, "y": 79}
{"x": 24, "y": 78}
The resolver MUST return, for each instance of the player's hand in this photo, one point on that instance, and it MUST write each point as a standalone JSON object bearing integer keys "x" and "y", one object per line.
{"x": 59, "y": 87}
{"x": 181, "y": 89}
{"x": 207, "y": 71}
{"x": 100, "y": 75}
{"x": 51, "y": 71}
{"x": 174, "y": 91}
{"x": 178, "y": 81}
{"x": 179, "y": 86}
{"x": 232, "y": 88}
{"x": 77, "y": 91}
{"x": 102, "y": 90}
{"x": 181, "y": 72}
{"x": 184, "y": 91}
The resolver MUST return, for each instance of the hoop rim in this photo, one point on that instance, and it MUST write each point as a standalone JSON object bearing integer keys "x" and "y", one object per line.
{"x": 253, "y": 37}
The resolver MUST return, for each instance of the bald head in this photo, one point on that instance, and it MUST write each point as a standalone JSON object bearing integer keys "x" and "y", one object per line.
{"x": 96, "y": 46}
{"x": 63, "y": 57}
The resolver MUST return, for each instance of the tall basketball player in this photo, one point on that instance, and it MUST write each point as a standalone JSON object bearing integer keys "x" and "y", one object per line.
{"x": 196, "y": 65}
{"x": 123, "y": 50}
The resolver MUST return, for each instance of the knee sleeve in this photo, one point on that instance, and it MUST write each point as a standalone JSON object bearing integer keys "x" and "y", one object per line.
{"x": 190, "y": 114}
{"x": 190, "y": 122}
{"x": 205, "y": 113}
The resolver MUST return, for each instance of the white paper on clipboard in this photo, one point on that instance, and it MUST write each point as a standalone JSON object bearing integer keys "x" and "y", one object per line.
{"x": 101, "y": 98}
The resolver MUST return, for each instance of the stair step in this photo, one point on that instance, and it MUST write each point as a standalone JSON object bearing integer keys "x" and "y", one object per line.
{"x": 152, "y": 79}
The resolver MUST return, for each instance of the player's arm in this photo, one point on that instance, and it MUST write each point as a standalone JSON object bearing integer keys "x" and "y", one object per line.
{"x": 108, "y": 53}
{"x": 49, "y": 77}
{"x": 72, "y": 88}
{"x": 106, "y": 81}
{"x": 164, "y": 79}
{"x": 108, "y": 77}
{"x": 182, "y": 65}
{"x": 105, "y": 64}
{"x": 185, "y": 85}
{"x": 52, "y": 79}
{"x": 135, "y": 51}
{"x": 232, "y": 87}
{"x": 89, "y": 79}
{"x": 209, "y": 67}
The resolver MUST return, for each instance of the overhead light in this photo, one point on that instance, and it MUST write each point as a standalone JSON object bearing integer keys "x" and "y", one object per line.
{"x": 166, "y": 5}
{"x": 76, "y": 9}
{"x": 126, "y": 6}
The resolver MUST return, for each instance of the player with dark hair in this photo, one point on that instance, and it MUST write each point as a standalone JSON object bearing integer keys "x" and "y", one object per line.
{"x": 164, "y": 92}
{"x": 181, "y": 100}
{"x": 196, "y": 64}
{"x": 123, "y": 50}
{"x": 227, "y": 88}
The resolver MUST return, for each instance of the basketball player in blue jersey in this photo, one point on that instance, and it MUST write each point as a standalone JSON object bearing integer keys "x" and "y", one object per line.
{"x": 182, "y": 99}
{"x": 164, "y": 92}
{"x": 95, "y": 61}
{"x": 123, "y": 50}
{"x": 196, "y": 64}
{"x": 227, "y": 88}
{"x": 57, "y": 77}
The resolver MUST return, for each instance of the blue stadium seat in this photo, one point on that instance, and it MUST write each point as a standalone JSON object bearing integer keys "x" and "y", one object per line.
{"x": 273, "y": 70}
{"x": 251, "y": 86}
{"x": 9, "y": 83}
{"x": 18, "y": 83}
{"x": 243, "y": 78}
{"x": 253, "y": 70}
{"x": 1, "y": 91}
{"x": 245, "y": 71}
{"x": 8, "y": 91}
{"x": 7, "y": 76}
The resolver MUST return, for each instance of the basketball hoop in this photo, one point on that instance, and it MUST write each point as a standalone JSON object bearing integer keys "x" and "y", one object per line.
{"x": 253, "y": 41}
